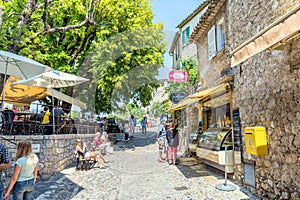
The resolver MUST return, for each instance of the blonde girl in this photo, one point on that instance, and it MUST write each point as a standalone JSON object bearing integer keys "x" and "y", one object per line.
{"x": 25, "y": 173}
{"x": 87, "y": 154}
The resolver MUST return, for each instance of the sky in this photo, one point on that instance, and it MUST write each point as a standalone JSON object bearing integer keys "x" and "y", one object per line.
{"x": 171, "y": 13}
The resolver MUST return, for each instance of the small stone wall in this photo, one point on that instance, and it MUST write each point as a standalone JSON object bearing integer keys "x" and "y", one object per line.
{"x": 56, "y": 151}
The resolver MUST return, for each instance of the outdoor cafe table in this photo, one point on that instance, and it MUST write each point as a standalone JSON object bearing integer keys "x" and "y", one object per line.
{"x": 24, "y": 125}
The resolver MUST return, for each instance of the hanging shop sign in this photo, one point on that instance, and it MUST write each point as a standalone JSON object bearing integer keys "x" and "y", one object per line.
{"x": 178, "y": 76}
{"x": 176, "y": 97}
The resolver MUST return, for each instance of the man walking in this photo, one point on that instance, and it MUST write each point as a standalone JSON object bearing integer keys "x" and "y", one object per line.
{"x": 144, "y": 125}
{"x": 4, "y": 164}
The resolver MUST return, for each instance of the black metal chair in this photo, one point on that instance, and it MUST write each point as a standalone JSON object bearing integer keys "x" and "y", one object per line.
{"x": 7, "y": 121}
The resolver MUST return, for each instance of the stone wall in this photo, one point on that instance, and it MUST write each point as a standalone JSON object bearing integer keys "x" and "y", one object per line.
{"x": 267, "y": 91}
{"x": 246, "y": 18}
{"x": 56, "y": 151}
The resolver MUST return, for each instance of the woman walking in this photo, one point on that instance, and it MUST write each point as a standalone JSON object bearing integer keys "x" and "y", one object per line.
{"x": 132, "y": 122}
{"x": 173, "y": 142}
{"x": 25, "y": 173}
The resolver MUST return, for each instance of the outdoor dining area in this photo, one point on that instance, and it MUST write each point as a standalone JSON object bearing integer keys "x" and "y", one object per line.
{"x": 26, "y": 81}
{"x": 24, "y": 122}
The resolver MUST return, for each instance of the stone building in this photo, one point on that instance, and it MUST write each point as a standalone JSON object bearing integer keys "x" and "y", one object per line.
{"x": 265, "y": 44}
{"x": 183, "y": 48}
{"x": 248, "y": 60}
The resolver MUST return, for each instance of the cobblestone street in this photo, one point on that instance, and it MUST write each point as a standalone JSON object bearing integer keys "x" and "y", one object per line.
{"x": 135, "y": 173}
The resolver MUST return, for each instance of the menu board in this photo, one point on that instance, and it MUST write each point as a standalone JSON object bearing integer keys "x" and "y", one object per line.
{"x": 237, "y": 130}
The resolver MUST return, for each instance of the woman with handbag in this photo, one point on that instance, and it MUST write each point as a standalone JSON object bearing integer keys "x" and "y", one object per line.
{"x": 173, "y": 142}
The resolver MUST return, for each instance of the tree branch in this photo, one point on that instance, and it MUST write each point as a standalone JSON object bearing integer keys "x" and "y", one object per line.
{"x": 83, "y": 43}
{"x": 42, "y": 5}
{"x": 67, "y": 28}
{"x": 1, "y": 16}
{"x": 44, "y": 17}
{"x": 22, "y": 21}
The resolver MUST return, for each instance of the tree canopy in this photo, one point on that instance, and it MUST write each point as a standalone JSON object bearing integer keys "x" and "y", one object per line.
{"x": 99, "y": 39}
{"x": 190, "y": 65}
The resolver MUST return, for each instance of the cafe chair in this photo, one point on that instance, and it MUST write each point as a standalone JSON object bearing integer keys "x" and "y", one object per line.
{"x": 7, "y": 117}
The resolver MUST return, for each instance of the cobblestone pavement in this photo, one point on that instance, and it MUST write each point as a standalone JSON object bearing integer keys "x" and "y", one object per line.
{"x": 135, "y": 174}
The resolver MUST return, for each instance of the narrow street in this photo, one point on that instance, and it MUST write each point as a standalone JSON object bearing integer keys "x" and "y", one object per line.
{"x": 134, "y": 173}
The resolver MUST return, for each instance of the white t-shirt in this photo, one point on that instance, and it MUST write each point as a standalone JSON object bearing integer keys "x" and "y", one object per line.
{"x": 132, "y": 121}
{"x": 27, "y": 167}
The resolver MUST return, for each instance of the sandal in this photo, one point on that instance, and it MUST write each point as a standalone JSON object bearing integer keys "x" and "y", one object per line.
{"x": 160, "y": 160}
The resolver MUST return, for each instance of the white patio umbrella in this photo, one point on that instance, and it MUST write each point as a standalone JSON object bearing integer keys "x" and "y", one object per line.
{"x": 53, "y": 79}
{"x": 19, "y": 66}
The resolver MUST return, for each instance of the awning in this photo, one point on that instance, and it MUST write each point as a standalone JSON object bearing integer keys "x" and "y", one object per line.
{"x": 189, "y": 100}
{"x": 277, "y": 33}
{"x": 66, "y": 98}
{"x": 23, "y": 94}
{"x": 209, "y": 91}
{"x": 182, "y": 104}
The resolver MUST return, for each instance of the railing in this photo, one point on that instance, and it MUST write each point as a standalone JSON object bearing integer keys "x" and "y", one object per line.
{"x": 27, "y": 123}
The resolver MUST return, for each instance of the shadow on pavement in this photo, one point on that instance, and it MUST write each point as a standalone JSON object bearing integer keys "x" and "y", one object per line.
{"x": 191, "y": 168}
{"x": 139, "y": 140}
{"x": 57, "y": 187}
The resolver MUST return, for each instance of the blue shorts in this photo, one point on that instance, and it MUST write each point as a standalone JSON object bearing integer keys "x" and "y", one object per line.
{"x": 23, "y": 190}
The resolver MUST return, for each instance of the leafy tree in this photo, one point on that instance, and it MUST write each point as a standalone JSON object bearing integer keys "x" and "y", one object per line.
{"x": 190, "y": 66}
{"x": 127, "y": 71}
{"x": 158, "y": 108}
{"x": 57, "y": 33}
{"x": 68, "y": 35}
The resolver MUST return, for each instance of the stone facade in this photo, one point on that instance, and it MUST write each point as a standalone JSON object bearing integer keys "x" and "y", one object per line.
{"x": 210, "y": 70}
{"x": 267, "y": 94}
{"x": 56, "y": 151}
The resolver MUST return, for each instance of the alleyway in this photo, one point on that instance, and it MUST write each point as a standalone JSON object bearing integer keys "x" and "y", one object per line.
{"x": 134, "y": 173}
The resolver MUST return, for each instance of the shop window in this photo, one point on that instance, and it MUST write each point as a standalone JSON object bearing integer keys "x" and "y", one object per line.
{"x": 185, "y": 36}
{"x": 216, "y": 38}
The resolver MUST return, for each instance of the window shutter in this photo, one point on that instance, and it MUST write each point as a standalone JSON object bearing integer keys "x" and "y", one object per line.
{"x": 186, "y": 35}
{"x": 212, "y": 42}
{"x": 221, "y": 38}
{"x": 187, "y": 32}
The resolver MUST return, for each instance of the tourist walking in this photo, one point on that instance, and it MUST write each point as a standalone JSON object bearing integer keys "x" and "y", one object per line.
{"x": 173, "y": 142}
{"x": 126, "y": 129}
{"x": 161, "y": 138}
{"x": 25, "y": 173}
{"x": 132, "y": 123}
{"x": 144, "y": 125}
{"x": 4, "y": 164}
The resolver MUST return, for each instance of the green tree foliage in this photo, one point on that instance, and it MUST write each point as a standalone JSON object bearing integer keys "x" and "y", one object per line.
{"x": 102, "y": 38}
{"x": 189, "y": 65}
{"x": 127, "y": 62}
{"x": 158, "y": 108}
